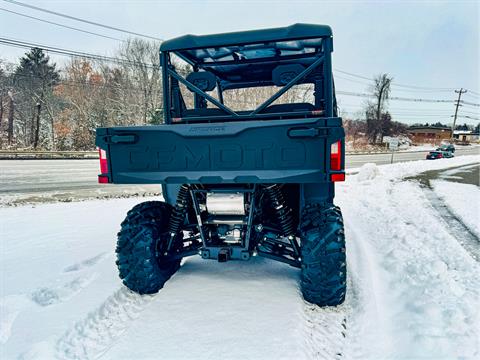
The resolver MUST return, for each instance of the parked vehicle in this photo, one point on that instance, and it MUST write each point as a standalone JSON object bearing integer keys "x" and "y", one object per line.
{"x": 447, "y": 147}
{"x": 447, "y": 154}
{"x": 432, "y": 155}
{"x": 236, "y": 184}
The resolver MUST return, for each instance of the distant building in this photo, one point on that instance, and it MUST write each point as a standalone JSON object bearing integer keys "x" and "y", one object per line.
{"x": 465, "y": 136}
{"x": 429, "y": 134}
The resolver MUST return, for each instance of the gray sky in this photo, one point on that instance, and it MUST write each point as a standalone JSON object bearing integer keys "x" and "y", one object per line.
{"x": 420, "y": 43}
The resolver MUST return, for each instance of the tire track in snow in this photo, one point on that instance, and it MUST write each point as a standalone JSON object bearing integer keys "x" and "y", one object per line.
{"x": 46, "y": 296}
{"x": 455, "y": 226}
{"x": 369, "y": 334}
{"x": 324, "y": 331}
{"x": 10, "y": 307}
{"x": 345, "y": 331}
{"x": 94, "y": 335}
{"x": 330, "y": 332}
{"x": 86, "y": 263}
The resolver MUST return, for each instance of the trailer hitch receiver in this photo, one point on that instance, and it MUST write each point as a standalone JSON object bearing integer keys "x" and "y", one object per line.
{"x": 223, "y": 255}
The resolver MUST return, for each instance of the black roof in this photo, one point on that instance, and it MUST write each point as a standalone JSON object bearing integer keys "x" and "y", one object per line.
{"x": 293, "y": 32}
{"x": 247, "y": 58}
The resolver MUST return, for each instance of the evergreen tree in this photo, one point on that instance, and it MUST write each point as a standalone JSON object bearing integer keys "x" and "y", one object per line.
{"x": 35, "y": 76}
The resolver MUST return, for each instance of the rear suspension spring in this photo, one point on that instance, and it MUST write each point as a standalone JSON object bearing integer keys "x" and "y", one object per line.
{"x": 283, "y": 212}
{"x": 178, "y": 213}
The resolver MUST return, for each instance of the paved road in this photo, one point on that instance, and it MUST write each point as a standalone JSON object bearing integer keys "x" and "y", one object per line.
{"x": 34, "y": 180}
{"x": 354, "y": 161}
{"x": 466, "y": 174}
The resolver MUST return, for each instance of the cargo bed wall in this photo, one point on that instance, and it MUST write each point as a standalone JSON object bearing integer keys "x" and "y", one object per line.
{"x": 288, "y": 151}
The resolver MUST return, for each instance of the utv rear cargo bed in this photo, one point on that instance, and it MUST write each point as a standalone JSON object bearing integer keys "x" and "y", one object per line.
{"x": 274, "y": 151}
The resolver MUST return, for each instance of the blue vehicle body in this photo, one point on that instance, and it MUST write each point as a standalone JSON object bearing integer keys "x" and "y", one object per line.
{"x": 238, "y": 180}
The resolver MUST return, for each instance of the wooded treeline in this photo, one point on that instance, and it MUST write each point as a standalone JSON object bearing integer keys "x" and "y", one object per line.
{"x": 43, "y": 106}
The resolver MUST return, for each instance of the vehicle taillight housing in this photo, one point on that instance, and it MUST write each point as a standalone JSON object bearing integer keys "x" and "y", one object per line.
{"x": 336, "y": 161}
{"x": 336, "y": 156}
{"x": 103, "y": 177}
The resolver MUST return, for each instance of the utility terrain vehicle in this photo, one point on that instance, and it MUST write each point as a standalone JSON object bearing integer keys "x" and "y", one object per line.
{"x": 236, "y": 183}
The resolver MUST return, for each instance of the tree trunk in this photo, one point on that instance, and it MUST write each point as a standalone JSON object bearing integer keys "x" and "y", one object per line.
{"x": 32, "y": 128}
{"x": 1, "y": 108}
{"x": 37, "y": 127}
{"x": 11, "y": 108}
{"x": 52, "y": 123}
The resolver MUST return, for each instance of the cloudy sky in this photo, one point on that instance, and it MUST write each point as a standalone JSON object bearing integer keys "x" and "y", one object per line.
{"x": 432, "y": 47}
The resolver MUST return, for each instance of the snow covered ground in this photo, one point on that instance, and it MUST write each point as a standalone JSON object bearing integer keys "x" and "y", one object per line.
{"x": 463, "y": 200}
{"x": 413, "y": 289}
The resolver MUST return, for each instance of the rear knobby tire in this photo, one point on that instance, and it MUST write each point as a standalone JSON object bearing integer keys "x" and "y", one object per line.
{"x": 141, "y": 268}
{"x": 323, "y": 277}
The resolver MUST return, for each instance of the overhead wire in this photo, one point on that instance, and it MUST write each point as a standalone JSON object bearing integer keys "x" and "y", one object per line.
{"x": 61, "y": 25}
{"x": 37, "y": 8}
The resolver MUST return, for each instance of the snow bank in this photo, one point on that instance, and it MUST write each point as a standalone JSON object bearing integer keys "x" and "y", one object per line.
{"x": 463, "y": 200}
{"x": 417, "y": 287}
{"x": 368, "y": 172}
{"x": 411, "y": 168}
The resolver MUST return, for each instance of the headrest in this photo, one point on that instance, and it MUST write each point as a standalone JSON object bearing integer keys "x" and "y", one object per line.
{"x": 282, "y": 74}
{"x": 204, "y": 80}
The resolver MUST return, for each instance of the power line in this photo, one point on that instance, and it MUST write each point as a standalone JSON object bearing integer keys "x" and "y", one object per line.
{"x": 469, "y": 112}
{"x": 81, "y": 20}
{"x": 468, "y": 103}
{"x": 399, "y": 98}
{"x": 472, "y": 95}
{"x": 74, "y": 53}
{"x": 469, "y": 117}
{"x": 427, "y": 89}
{"x": 61, "y": 25}
{"x": 82, "y": 84}
{"x": 395, "y": 84}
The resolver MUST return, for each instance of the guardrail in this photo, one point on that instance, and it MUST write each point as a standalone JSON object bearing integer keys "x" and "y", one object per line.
{"x": 30, "y": 154}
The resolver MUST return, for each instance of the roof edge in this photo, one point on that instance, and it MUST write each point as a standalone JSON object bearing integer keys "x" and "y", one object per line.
{"x": 292, "y": 32}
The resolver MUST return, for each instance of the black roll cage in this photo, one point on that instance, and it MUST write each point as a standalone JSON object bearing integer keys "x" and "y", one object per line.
{"x": 321, "y": 58}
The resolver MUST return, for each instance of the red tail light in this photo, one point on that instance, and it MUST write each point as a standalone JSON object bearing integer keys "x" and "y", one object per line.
{"x": 336, "y": 161}
{"x": 103, "y": 177}
{"x": 103, "y": 161}
{"x": 336, "y": 156}
{"x": 337, "y": 177}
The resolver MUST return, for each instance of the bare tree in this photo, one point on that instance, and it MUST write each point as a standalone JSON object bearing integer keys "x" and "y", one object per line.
{"x": 375, "y": 110}
{"x": 354, "y": 129}
{"x": 144, "y": 79}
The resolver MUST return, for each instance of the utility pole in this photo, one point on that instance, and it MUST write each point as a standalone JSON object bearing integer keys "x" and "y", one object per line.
{"x": 459, "y": 92}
